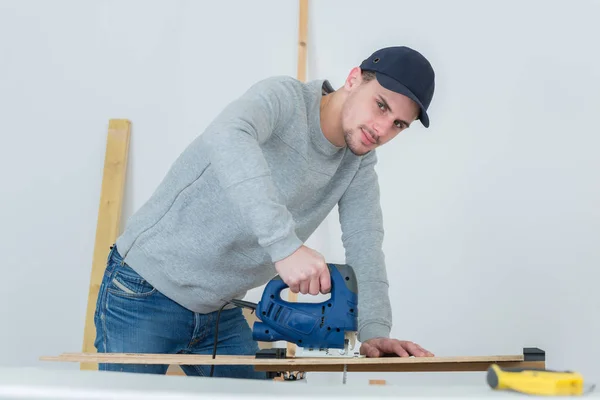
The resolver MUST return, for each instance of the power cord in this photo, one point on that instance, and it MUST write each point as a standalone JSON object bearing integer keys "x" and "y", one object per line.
{"x": 238, "y": 303}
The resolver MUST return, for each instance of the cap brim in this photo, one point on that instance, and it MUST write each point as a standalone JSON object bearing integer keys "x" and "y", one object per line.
{"x": 395, "y": 86}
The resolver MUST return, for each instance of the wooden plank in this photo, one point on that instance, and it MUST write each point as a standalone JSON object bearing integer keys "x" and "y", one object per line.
{"x": 200, "y": 359}
{"x": 301, "y": 75}
{"x": 401, "y": 367}
{"x": 358, "y": 364}
{"x": 302, "y": 38}
{"x": 109, "y": 217}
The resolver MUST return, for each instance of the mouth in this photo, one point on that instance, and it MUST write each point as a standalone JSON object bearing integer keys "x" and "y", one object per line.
{"x": 366, "y": 137}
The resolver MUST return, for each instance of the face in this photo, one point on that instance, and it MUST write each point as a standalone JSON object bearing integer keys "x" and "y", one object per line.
{"x": 373, "y": 115}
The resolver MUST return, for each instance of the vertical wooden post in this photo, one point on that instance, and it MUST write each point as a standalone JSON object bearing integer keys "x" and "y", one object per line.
{"x": 302, "y": 39}
{"x": 302, "y": 50}
{"x": 109, "y": 217}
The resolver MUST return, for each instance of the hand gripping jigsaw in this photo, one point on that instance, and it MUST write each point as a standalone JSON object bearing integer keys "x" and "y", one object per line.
{"x": 326, "y": 329}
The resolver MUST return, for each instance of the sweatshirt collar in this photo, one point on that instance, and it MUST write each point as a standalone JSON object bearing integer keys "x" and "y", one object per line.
{"x": 320, "y": 88}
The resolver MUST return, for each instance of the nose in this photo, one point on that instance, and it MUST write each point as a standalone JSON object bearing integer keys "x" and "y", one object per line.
{"x": 374, "y": 131}
{"x": 378, "y": 131}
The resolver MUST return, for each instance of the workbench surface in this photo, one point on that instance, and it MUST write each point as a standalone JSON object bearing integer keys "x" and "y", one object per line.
{"x": 44, "y": 383}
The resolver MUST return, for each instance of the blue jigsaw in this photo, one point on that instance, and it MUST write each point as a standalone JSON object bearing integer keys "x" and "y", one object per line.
{"x": 314, "y": 327}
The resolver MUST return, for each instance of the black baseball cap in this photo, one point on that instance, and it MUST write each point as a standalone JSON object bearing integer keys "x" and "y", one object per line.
{"x": 405, "y": 71}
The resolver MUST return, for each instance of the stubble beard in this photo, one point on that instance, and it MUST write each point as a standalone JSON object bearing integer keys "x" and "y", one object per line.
{"x": 352, "y": 144}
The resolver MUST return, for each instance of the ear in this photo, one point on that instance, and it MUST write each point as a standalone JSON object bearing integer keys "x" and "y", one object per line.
{"x": 354, "y": 79}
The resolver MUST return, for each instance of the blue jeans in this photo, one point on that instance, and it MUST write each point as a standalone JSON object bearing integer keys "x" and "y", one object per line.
{"x": 133, "y": 317}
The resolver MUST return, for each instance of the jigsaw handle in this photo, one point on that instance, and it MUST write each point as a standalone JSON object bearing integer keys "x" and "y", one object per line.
{"x": 341, "y": 274}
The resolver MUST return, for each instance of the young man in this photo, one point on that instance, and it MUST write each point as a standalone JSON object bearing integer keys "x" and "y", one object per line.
{"x": 238, "y": 204}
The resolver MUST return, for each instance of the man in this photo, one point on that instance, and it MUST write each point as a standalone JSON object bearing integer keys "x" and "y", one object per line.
{"x": 237, "y": 205}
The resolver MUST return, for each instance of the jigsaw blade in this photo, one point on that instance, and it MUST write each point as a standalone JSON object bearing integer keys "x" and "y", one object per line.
{"x": 350, "y": 339}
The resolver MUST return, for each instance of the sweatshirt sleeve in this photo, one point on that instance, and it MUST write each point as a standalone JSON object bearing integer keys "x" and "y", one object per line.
{"x": 362, "y": 237}
{"x": 234, "y": 140}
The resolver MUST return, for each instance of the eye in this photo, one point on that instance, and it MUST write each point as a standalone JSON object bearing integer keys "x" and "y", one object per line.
{"x": 381, "y": 106}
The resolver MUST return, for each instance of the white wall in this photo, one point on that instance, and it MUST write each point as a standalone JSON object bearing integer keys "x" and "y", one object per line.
{"x": 491, "y": 214}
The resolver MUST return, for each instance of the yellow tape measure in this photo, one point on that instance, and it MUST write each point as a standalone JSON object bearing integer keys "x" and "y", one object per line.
{"x": 535, "y": 381}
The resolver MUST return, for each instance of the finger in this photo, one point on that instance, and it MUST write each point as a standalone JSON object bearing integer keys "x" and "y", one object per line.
{"x": 383, "y": 345}
{"x": 304, "y": 286}
{"x": 398, "y": 349}
{"x": 414, "y": 349}
{"x": 313, "y": 287}
{"x": 426, "y": 352}
{"x": 374, "y": 353}
{"x": 392, "y": 346}
{"x": 325, "y": 281}
{"x": 369, "y": 351}
{"x": 294, "y": 288}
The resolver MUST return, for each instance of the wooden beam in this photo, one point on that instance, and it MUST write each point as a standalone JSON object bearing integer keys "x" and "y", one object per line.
{"x": 302, "y": 38}
{"x": 451, "y": 366}
{"x": 357, "y": 364}
{"x": 109, "y": 218}
{"x": 301, "y": 75}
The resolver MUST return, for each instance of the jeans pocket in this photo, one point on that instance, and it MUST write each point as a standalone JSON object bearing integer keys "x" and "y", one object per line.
{"x": 125, "y": 282}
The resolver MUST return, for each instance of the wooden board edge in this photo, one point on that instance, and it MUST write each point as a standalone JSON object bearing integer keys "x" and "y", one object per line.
{"x": 401, "y": 367}
{"x": 188, "y": 359}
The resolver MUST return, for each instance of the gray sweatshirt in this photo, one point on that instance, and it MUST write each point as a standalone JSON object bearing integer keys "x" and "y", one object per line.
{"x": 248, "y": 192}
